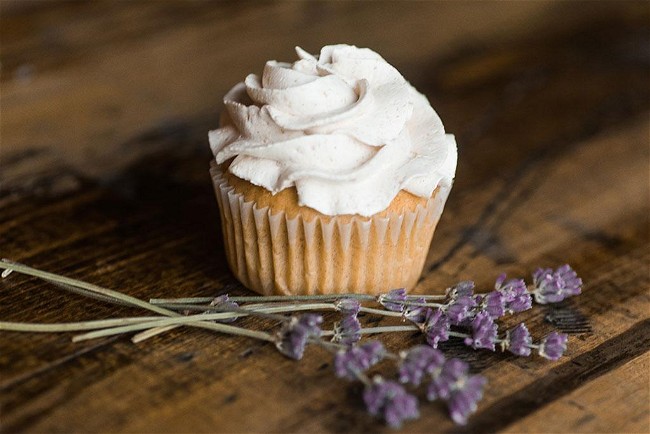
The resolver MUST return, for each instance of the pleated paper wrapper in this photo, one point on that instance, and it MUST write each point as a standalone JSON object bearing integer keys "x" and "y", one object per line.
{"x": 271, "y": 253}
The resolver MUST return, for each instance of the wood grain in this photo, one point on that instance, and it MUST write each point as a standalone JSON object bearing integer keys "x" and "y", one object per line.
{"x": 581, "y": 410}
{"x": 103, "y": 169}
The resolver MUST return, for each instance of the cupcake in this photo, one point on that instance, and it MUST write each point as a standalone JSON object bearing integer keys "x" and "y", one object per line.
{"x": 331, "y": 174}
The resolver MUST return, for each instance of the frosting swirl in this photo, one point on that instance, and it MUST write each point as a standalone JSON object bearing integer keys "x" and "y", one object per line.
{"x": 345, "y": 128}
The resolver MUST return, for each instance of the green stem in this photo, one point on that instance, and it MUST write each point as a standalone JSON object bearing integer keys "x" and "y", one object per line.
{"x": 184, "y": 300}
{"x": 265, "y": 298}
{"x": 389, "y": 329}
{"x": 274, "y": 298}
{"x": 380, "y": 312}
{"x": 280, "y": 308}
{"x": 458, "y": 334}
{"x": 429, "y": 296}
{"x": 207, "y": 308}
{"x": 202, "y": 318}
{"x": 415, "y": 303}
{"x": 66, "y": 281}
{"x": 364, "y": 379}
{"x": 88, "y": 294}
{"x": 261, "y": 307}
{"x": 142, "y": 336}
{"x": 189, "y": 320}
{"x": 72, "y": 326}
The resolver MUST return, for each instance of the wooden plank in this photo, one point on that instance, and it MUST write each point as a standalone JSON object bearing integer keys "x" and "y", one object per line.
{"x": 623, "y": 393}
{"x": 107, "y": 181}
{"x": 91, "y": 93}
{"x": 617, "y": 284}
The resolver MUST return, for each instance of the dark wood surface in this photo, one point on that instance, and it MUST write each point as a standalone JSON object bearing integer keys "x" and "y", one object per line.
{"x": 105, "y": 108}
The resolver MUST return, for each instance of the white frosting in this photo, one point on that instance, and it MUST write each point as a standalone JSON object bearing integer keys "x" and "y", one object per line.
{"x": 345, "y": 128}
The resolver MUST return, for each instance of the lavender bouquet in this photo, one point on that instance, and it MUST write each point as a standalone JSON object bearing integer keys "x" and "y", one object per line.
{"x": 461, "y": 313}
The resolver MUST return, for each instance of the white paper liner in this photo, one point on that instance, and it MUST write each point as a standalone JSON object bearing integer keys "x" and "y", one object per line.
{"x": 274, "y": 254}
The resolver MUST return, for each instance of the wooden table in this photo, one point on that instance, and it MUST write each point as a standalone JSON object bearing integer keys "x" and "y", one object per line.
{"x": 105, "y": 113}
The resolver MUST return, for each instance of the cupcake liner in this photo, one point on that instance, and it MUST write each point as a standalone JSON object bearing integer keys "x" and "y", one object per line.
{"x": 272, "y": 253}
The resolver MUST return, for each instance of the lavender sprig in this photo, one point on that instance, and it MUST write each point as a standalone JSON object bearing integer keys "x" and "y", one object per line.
{"x": 391, "y": 400}
{"x": 352, "y": 362}
{"x": 484, "y": 332}
{"x": 294, "y": 334}
{"x": 554, "y": 286}
{"x": 394, "y": 300}
{"x": 347, "y": 331}
{"x": 515, "y": 294}
{"x": 518, "y": 341}
{"x": 553, "y": 346}
{"x": 464, "y": 313}
{"x": 450, "y": 381}
{"x": 418, "y": 362}
{"x": 436, "y": 327}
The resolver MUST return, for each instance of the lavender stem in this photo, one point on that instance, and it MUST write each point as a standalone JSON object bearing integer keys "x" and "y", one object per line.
{"x": 458, "y": 334}
{"x": 72, "y": 326}
{"x": 189, "y": 320}
{"x": 55, "y": 278}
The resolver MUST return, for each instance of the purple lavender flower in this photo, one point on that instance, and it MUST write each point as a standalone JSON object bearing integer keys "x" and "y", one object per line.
{"x": 416, "y": 314}
{"x": 419, "y": 361}
{"x": 554, "y": 286}
{"x": 518, "y": 341}
{"x": 394, "y": 300}
{"x": 494, "y": 303}
{"x": 223, "y": 304}
{"x": 484, "y": 332}
{"x": 460, "y": 309}
{"x": 553, "y": 346}
{"x": 461, "y": 289}
{"x": 436, "y": 327}
{"x": 347, "y": 306}
{"x": 515, "y": 293}
{"x": 453, "y": 370}
{"x": 519, "y": 303}
{"x": 391, "y": 400}
{"x": 347, "y": 331}
{"x": 463, "y": 401}
{"x": 461, "y": 391}
{"x": 355, "y": 360}
{"x": 311, "y": 322}
{"x": 294, "y": 334}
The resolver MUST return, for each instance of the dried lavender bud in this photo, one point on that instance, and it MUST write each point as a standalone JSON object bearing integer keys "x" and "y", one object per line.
{"x": 553, "y": 346}
{"x": 222, "y": 304}
{"x": 463, "y": 401}
{"x": 416, "y": 314}
{"x": 417, "y": 362}
{"x": 355, "y": 360}
{"x": 347, "y": 331}
{"x": 461, "y": 289}
{"x": 515, "y": 293}
{"x": 347, "y": 306}
{"x": 484, "y": 332}
{"x": 312, "y": 323}
{"x": 518, "y": 341}
{"x": 436, "y": 327}
{"x": 294, "y": 334}
{"x": 391, "y": 400}
{"x": 461, "y": 391}
{"x": 554, "y": 286}
{"x": 519, "y": 303}
{"x": 453, "y": 370}
{"x": 394, "y": 300}
{"x": 494, "y": 303}
{"x": 460, "y": 309}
